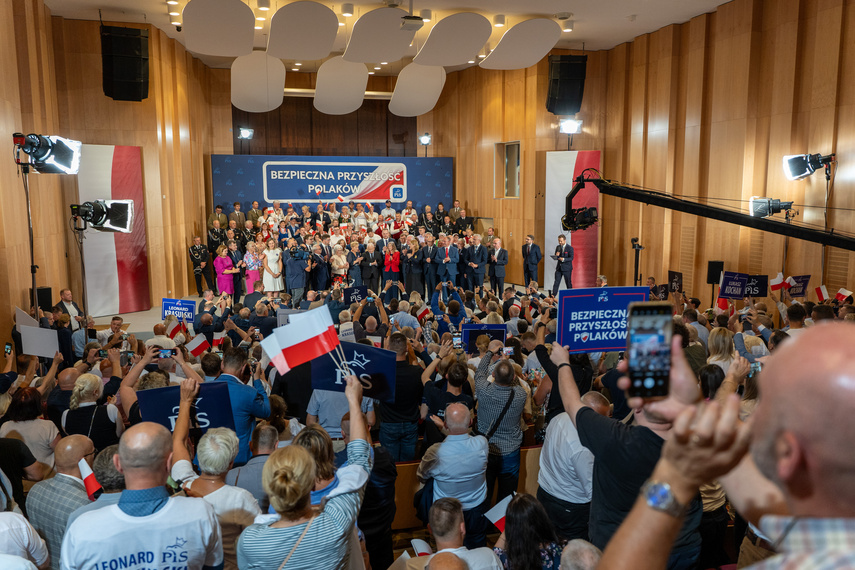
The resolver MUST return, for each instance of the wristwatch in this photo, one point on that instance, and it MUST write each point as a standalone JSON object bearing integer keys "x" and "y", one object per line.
{"x": 660, "y": 497}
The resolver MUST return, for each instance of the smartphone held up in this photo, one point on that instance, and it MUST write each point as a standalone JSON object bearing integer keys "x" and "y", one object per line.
{"x": 649, "y": 348}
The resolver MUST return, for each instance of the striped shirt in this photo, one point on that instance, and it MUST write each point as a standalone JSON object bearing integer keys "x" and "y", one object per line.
{"x": 325, "y": 545}
{"x": 818, "y": 544}
{"x": 491, "y": 401}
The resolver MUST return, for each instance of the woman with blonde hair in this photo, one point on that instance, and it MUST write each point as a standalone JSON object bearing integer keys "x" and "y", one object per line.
{"x": 339, "y": 265}
{"x": 413, "y": 264}
{"x": 720, "y": 346}
{"x": 304, "y": 537}
{"x": 253, "y": 265}
{"x": 100, "y": 423}
{"x": 271, "y": 259}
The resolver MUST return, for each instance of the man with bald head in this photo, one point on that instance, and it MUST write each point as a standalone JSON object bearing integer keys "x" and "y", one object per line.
{"x": 160, "y": 338}
{"x": 146, "y": 528}
{"x": 50, "y": 502}
{"x": 566, "y": 473}
{"x": 458, "y": 466}
{"x": 60, "y": 397}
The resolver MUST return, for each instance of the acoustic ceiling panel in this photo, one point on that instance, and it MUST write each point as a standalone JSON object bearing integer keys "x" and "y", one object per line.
{"x": 302, "y": 31}
{"x": 258, "y": 82}
{"x": 524, "y": 45}
{"x": 417, "y": 90}
{"x": 219, "y": 27}
{"x": 377, "y": 36}
{"x": 455, "y": 40}
{"x": 340, "y": 86}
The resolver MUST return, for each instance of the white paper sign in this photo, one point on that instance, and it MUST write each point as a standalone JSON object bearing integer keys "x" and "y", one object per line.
{"x": 39, "y": 342}
{"x": 22, "y": 319}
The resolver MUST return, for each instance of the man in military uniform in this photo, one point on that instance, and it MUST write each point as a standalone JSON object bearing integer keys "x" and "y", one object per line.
{"x": 199, "y": 257}
{"x": 218, "y": 215}
{"x": 237, "y": 216}
{"x": 463, "y": 223}
{"x": 216, "y": 238}
{"x": 254, "y": 214}
{"x": 247, "y": 234}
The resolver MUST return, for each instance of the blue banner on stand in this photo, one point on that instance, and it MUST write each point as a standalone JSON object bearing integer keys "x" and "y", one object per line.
{"x": 594, "y": 319}
{"x": 213, "y": 406}
{"x": 181, "y": 309}
{"x": 733, "y": 285}
{"x": 375, "y": 367}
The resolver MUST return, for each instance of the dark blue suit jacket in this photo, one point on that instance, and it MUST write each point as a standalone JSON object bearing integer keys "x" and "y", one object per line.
{"x": 480, "y": 258}
{"x": 497, "y": 268}
{"x": 567, "y": 253}
{"x": 533, "y": 259}
{"x": 450, "y": 268}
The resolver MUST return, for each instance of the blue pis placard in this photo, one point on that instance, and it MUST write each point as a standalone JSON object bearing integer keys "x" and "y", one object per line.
{"x": 732, "y": 285}
{"x": 213, "y": 406}
{"x": 375, "y": 368}
{"x": 800, "y": 289}
{"x": 594, "y": 319}
{"x": 469, "y": 333}
{"x": 181, "y": 309}
{"x": 355, "y": 294}
{"x": 306, "y": 180}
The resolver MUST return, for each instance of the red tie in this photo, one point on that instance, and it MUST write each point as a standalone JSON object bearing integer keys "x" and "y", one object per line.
{"x": 446, "y": 252}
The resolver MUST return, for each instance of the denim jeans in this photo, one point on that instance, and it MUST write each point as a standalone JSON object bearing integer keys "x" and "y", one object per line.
{"x": 476, "y": 526}
{"x": 400, "y": 439}
{"x": 505, "y": 469}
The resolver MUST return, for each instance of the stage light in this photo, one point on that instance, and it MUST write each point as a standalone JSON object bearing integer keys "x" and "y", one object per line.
{"x": 797, "y": 166}
{"x": 764, "y": 207}
{"x": 106, "y": 215}
{"x": 50, "y": 154}
{"x": 347, "y": 10}
{"x": 499, "y": 21}
{"x": 425, "y": 139}
{"x": 426, "y": 15}
{"x": 564, "y": 21}
{"x": 567, "y": 26}
{"x": 569, "y": 126}
{"x": 245, "y": 133}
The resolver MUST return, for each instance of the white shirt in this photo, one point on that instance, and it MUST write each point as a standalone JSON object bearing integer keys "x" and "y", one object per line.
{"x": 566, "y": 466}
{"x": 19, "y": 538}
{"x": 185, "y": 532}
{"x": 72, "y": 312}
{"x": 475, "y": 559}
{"x": 37, "y": 434}
{"x": 161, "y": 340}
{"x": 387, "y": 213}
{"x": 10, "y": 562}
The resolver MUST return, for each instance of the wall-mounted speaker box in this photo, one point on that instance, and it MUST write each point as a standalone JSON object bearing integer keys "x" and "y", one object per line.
{"x": 124, "y": 62}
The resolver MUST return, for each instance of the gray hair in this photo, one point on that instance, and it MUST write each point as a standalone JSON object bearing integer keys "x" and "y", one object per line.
{"x": 404, "y": 307}
{"x": 105, "y": 471}
{"x": 217, "y": 449}
{"x": 580, "y": 555}
{"x": 345, "y": 316}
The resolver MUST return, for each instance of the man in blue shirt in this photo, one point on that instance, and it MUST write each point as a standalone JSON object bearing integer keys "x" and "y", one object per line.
{"x": 248, "y": 402}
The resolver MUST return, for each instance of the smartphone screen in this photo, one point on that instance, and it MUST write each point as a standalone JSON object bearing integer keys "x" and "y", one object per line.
{"x": 8, "y": 348}
{"x": 456, "y": 340}
{"x": 508, "y": 351}
{"x": 102, "y": 353}
{"x": 649, "y": 348}
{"x": 166, "y": 353}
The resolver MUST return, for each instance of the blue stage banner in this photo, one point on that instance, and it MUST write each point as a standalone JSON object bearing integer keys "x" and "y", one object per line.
{"x": 495, "y": 332}
{"x": 181, "y": 309}
{"x": 375, "y": 368}
{"x": 355, "y": 294}
{"x": 801, "y": 287}
{"x": 757, "y": 286}
{"x": 732, "y": 285}
{"x": 300, "y": 180}
{"x": 213, "y": 406}
{"x": 594, "y": 319}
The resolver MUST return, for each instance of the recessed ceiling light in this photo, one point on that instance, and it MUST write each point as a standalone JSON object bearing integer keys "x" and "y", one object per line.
{"x": 172, "y": 2}
{"x": 340, "y": 19}
{"x": 370, "y": 73}
{"x": 264, "y": 5}
{"x": 377, "y": 68}
{"x": 347, "y": 10}
{"x": 426, "y": 15}
{"x": 499, "y": 20}
{"x": 471, "y": 61}
{"x": 258, "y": 26}
{"x": 260, "y": 18}
{"x": 175, "y": 21}
{"x": 384, "y": 63}
{"x": 295, "y": 69}
{"x": 298, "y": 64}
{"x": 172, "y": 11}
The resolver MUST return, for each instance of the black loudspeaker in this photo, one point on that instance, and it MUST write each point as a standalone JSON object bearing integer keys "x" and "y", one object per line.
{"x": 124, "y": 61}
{"x": 714, "y": 269}
{"x": 566, "y": 84}
{"x": 43, "y": 297}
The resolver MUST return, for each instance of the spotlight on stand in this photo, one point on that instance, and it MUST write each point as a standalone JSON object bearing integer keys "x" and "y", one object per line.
{"x": 798, "y": 166}
{"x": 765, "y": 207}
{"x": 245, "y": 133}
{"x": 569, "y": 126}
{"x": 106, "y": 215}
{"x": 425, "y": 141}
{"x": 49, "y": 154}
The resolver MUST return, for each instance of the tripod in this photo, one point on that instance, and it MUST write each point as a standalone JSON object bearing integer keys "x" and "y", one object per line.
{"x": 637, "y": 249}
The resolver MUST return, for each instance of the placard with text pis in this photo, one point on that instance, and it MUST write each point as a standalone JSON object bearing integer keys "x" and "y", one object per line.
{"x": 757, "y": 286}
{"x": 376, "y": 368}
{"x": 213, "y": 406}
{"x": 594, "y": 319}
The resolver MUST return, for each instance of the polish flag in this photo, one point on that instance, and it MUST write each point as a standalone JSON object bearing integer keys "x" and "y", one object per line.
{"x": 420, "y": 547}
{"x": 301, "y": 340}
{"x": 343, "y": 226}
{"x": 319, "y": 223}
{"x": 496, "y": 515}
{"x": 93, "y": 487}
{"x": 318, "y": 192}
{"x": 175, "y": 328}
{"x": 777, "y": 282}
{"x": 408, "y": 221}
{"x": 516, "y": 303}
{"x": 842, "y": 294}
{"x": 822, "y": 293}
{"x": 198, "y": 345}
{"x": 368, "y": 205}
{"x": 789, "y": 282}
{"x": 218, "y": 338}
{"x": 339, "y": 198}
{"x": 423, "y": 313}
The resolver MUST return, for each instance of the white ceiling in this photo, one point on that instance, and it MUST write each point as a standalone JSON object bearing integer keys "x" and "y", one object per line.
{"x": 599, "y": 24}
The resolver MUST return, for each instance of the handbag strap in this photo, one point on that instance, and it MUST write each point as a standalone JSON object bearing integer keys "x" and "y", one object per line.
{"x": 293, "y": 550}
{"x": 499, "y": 419}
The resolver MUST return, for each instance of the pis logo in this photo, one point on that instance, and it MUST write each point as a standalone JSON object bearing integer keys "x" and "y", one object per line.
{"x": 604, "y": 297}
{"x": 398, "y": 192}
{"x": 585, "y": 337}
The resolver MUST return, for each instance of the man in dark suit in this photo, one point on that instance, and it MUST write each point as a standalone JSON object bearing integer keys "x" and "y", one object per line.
{"x": 320, "y": 269}
{"x": 236, "y": 255}
{"x": 463, "y": 223}
{"x": 429, "y": 267}
{"x": 497, "y": 263}
{"x": 531, "y": 258}
{"x": 446, "y": 259}
{"x": 371, "y": 263}
{"x": 323, "y": 217}
{"x": 564, "y": 264}
{"x": 68, "y": 306}
{"x": 477, "y": 257}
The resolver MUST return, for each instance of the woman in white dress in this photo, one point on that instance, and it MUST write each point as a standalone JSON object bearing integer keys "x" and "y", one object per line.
{"x": 272, "y": 260}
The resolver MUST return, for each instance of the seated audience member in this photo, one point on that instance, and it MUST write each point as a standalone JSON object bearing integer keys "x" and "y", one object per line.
{"x": 580, "y": 555}
{"x": 399, "y": 419}
{"x": 101, "y": 423}
{"x": 529, "y": 539}
{"x": 566, "y": 471}
{"x": 111, "y": 480}
{"x": 449, "y": 531}
{"x": 146, "y": 521}
{"x": 18, "y": 539}
{"x": 264, "y": 441}
{"x": 326, "y": 408}
{"x": 286, "y": 427}
{"x": 160, "y": 338}
{"x": 458, "y": 467}
{"x": 236, "y": 508}
{"x": 720, "y": 346}
{"x": 23, "y": 423}
{"x": 50, "y": 502}
{"x": 302, "y": 536}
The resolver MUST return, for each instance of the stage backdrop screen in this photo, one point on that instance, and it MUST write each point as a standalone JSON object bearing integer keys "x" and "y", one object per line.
{"x": 300, "y": 180}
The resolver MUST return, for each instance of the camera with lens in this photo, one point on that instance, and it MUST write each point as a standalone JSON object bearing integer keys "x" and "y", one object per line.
{"x": 299, "y": 254}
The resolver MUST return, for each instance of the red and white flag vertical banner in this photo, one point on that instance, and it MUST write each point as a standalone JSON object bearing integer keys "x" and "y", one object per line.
{"x": 777, "y": 283}
{"x": 496, "y": 515}
{"x": 842, "y": 294}
{"x": 562, "y": 167}
{"x": 116, "y": 263}
{"x": 302, "y": 341}
{"x": 198, "y": 345}
{"x": 821, "y": 293}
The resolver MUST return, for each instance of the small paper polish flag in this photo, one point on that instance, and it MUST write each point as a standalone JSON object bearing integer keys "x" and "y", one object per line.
{"x": 93, "y": 487}
{"x": 789, "y": 282}
{"x": 318, "y": 192}
{"x": 339, "y": 198}
{"x": 496, "y": 515}
{"x": 420, "y": 547}
{"x": 319, "y": 223}
{"x": 368, "y": 205}
{"x": 174, "y": 328}
{"x": 423, "y": 313}
{"x": 301, "y": 340}
{"x": 408, "y": 221}
{"x": 290, "y": 205}
{"x": 777, "y": 282}
{"x": 218, "y": 338}
{"x": 198, "y": 345}
{"x": 343, "y": 225}
{"x": 822, "y": 293}
{"x": 842, "y": 294}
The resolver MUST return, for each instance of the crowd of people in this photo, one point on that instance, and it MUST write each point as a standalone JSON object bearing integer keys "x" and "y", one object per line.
{"x": 307, "y": 478}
